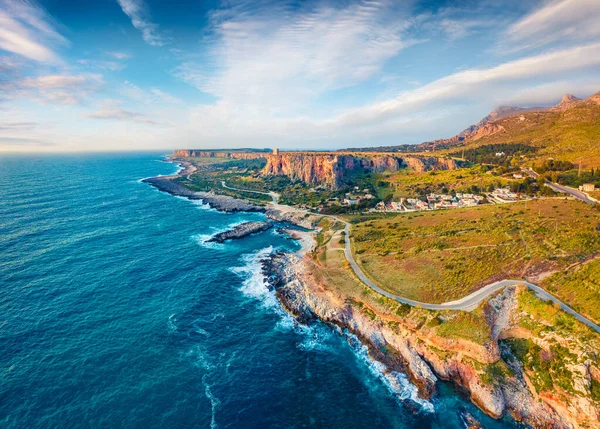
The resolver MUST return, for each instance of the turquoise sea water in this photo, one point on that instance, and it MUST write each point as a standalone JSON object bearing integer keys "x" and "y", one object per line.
{"x": 114, "y": 313}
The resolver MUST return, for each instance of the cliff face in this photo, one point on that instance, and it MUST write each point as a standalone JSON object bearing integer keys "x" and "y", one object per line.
{"x": 186, "y": 153}
{"x": 487, "y": 130}
{"x": 427, "y": 357}
{"x": 331, "y": 170}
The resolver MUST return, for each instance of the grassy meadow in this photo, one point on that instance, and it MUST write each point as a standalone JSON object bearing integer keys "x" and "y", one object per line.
{"x": 441, "y": 256}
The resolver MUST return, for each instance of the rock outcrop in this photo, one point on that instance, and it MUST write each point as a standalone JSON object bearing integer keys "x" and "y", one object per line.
{"x": 332, "y": 169}
{"x": 240, "y": 231}
{"x": 304, "y": 220}
{"x": 487, "y": 130}
{"x": 218, "y": 202}
{"x": 567, "y": 102}
{"x": 425, "y": 356}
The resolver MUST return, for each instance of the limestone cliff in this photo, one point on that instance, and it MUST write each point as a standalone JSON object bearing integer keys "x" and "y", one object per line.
{"x": 411, "y": 346}
{"x": 187, "y": 153}
{"x": 332, "y": 170}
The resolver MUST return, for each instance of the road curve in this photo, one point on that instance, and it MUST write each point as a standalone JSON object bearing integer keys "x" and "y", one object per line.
{"x": 467, "y": 303}
{"x": 561, "y": 188}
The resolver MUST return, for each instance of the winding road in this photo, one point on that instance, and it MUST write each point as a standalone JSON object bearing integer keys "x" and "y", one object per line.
{"x": 467, "y": 303}
{"x": 561, "y": 188}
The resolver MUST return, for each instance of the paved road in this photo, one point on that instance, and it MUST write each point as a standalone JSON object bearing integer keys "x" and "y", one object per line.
{"x": 467, "y": 303}
{"x": 564, "y": 189}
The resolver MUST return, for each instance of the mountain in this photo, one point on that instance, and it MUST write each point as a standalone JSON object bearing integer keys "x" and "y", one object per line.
{"x": 568, "y": 131}
{"x": 568, "y": 101}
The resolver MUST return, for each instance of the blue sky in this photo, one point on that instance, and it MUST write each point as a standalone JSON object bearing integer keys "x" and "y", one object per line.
{"x": 92, "y": 75}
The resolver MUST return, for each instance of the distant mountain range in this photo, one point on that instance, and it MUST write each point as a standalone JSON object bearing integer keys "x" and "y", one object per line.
{"x": 493, "y": 124}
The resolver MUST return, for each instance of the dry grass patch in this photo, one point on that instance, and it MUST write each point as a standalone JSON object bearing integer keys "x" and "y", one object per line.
{"x": 443, "y": 256}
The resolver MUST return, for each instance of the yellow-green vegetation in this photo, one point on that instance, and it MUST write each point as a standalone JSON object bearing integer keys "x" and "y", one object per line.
{"x": 556, "y": 345}
{"x": 409, "y": 183}
{"x": 469, "y": 326}
{"x": 579, "y": 287}
{"x": 441, "y": 256}
{"x": 543, "y": 317}
{"x": 571, "y": 135}
{"x": 332, "y": 271}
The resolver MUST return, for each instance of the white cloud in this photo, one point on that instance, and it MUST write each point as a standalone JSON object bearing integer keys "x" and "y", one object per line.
{"x": 18, "y": 126}
{"x": 282, "y": 61}
{"x": 140, "y": 19}
{"x": 439, "y": 108}
{"x": 151, "y": 96}
{"x": 111, "y": 110}
{"x": 557, "y": 21}
{"x": 480, "y": 84}
{"x": 63, "y": 89}
{"x": 26, "y": 30}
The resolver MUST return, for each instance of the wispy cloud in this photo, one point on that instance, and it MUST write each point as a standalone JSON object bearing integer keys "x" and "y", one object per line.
{"x": 496, "y": 83}
{"x": 557, "y": 21}
{"x": 21, "y": 141}
{"x": 151, "y": 96}
{"x": 63, "y": 89}
{"x": 18, "y": 126}
{"x": 428, "y": 109}
{"x": 284, "y": 60}
{"x": 26, "y": 30}
{"x": 140, "y": 19}
{"x": 111, "y": 110}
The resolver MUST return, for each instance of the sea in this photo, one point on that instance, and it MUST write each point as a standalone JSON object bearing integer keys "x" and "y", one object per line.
{"x": 115, "y": 312}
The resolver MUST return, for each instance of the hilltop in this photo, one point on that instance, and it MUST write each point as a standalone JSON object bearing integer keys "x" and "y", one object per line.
{"x": 568, "y": 131}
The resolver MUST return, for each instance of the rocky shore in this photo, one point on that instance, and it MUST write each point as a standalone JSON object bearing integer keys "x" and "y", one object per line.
{"x": 425, "y": 357}
{"x": 222, "y": 203}
{"x": 241, "y": 231}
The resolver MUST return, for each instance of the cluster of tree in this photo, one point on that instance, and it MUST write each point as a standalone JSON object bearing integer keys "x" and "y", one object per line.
{"x": 554, "y": 165}
{"x": 530, "y": 186}
{"x": 575, "y": 178}
{"x": 495, "y": 154}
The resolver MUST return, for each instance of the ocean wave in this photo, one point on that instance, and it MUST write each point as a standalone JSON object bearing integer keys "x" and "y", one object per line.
{"x": 314, "y": 337}
{"x": 396, "y": 382}
{"x": 254, "y": 284}
{"x": 202, "y": 240}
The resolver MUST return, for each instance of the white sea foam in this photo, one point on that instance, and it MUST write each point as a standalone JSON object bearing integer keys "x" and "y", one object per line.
{"x": 214, "y": 401}
{"x": 396, "y": 382}
{"x": 202, "y": 205}
{"x": 315, "y": 336}
{"x": 203, "y": 239}
{"x": 254, "y": 284}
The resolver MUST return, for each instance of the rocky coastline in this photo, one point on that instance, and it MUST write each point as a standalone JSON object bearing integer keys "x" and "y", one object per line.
{"x": 241, "y": 231}
{"x": 403, "y": 347}
{"x": 423, "y": 356}
{"x": 222, "y": 203}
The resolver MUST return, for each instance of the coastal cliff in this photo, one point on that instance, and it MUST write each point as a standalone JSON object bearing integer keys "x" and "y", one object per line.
{"x": 409, "y": 342}
{"x": 331, "y": 170}
{"x": 187, "y": 153}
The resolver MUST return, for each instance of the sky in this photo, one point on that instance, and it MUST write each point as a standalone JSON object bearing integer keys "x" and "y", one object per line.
{"x": 106, "y": 75}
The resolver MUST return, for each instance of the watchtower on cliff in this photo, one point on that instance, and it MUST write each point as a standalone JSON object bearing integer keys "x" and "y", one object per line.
{"x": 275, "y": 151}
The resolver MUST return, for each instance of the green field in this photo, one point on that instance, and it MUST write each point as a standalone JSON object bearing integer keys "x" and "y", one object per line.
{"x": 441, "y": 256}
{"x": 579, "y": 287}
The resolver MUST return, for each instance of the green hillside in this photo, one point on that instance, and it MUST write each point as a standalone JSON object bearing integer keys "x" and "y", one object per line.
{"x": 572, "y": 135}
